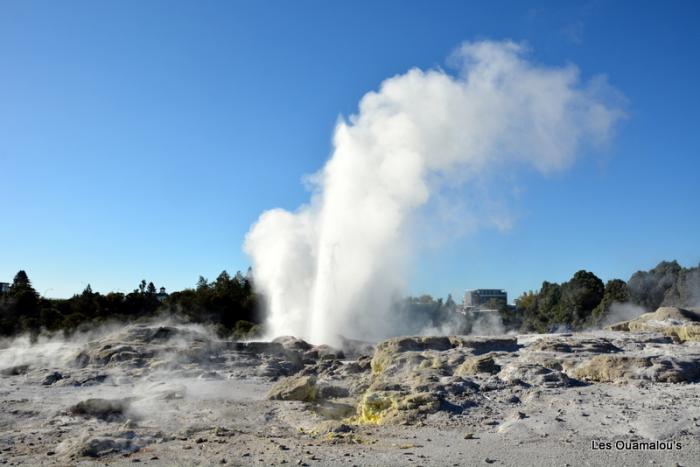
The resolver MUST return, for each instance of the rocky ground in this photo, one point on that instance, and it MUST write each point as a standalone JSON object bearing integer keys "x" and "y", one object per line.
{"x": 173, "y": 395}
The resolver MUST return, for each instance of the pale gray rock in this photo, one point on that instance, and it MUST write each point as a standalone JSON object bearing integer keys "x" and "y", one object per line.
{"x": 294, "y": 388}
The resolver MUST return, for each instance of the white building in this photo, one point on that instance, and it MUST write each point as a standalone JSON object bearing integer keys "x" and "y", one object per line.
{"x": 478, "y": 297}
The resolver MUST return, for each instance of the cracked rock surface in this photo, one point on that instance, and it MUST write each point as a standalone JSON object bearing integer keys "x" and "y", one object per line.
{"x": 175, "y": 395}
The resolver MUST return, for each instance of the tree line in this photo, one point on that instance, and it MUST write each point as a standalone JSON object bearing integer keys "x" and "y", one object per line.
{"x": 585, "y": 301}
{"x": 229, "y": 303}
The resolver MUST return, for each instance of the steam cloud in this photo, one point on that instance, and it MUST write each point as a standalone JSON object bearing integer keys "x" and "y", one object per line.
{"x": 333, "y": 266}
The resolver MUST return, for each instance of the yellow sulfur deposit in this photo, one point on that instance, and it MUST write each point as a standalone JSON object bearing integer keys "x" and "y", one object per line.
{"x": 374, "y": 406}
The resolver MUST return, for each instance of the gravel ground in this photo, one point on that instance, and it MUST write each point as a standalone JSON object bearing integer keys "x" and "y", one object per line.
{"x": 211, "y": 409}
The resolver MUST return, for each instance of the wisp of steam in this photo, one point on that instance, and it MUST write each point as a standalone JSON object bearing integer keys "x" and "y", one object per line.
{"x": 333, "y": 266}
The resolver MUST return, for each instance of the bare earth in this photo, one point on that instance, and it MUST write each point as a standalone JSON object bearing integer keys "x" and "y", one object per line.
{"x": 173, "y": 395}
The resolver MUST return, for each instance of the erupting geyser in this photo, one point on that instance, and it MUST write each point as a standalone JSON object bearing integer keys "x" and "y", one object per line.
{"x": 333, "y": 266}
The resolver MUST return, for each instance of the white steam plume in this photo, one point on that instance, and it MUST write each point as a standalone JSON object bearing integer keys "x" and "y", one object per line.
{"x": 333, "y": 266}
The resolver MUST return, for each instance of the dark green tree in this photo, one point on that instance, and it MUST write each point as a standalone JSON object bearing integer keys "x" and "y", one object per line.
{"x": 21, "y": 283}
{"x": 579, "y": 297}
{"x": 202, "y": 283}
{"x": 649, "y": 288}
{"x": 22, "y": 310}
{"x": 547, "y": 301}
{"x": 616, "y": 291}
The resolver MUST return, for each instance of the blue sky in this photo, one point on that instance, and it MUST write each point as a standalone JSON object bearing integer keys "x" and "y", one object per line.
{"x": 142, "y": 139}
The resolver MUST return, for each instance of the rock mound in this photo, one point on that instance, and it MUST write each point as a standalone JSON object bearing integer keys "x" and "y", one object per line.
{"x": 99, "y": 447}
{"x": 533, "y": 374}
{"x": 680, "y": 324}
{"x": 294, "y": 388}
{"x": 480, "y": 364}
{"x": 140, "y": 345}
{"x": 413, "y": 377}
{"x": 109, "y": 410}
{"x": 569, "y": 344}
{"x": 105, "y": 444}
{"x": 624, "y": 368}
{"x": 402, "y": 351}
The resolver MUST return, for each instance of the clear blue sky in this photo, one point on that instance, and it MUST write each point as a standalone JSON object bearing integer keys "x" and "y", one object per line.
{"x": 142, "y": 139}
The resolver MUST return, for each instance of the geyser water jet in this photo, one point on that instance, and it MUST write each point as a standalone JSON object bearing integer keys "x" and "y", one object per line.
{"x": 332, "y": 267}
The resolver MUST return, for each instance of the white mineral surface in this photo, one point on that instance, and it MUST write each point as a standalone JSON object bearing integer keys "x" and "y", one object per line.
{"x": 175, "y": 395}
